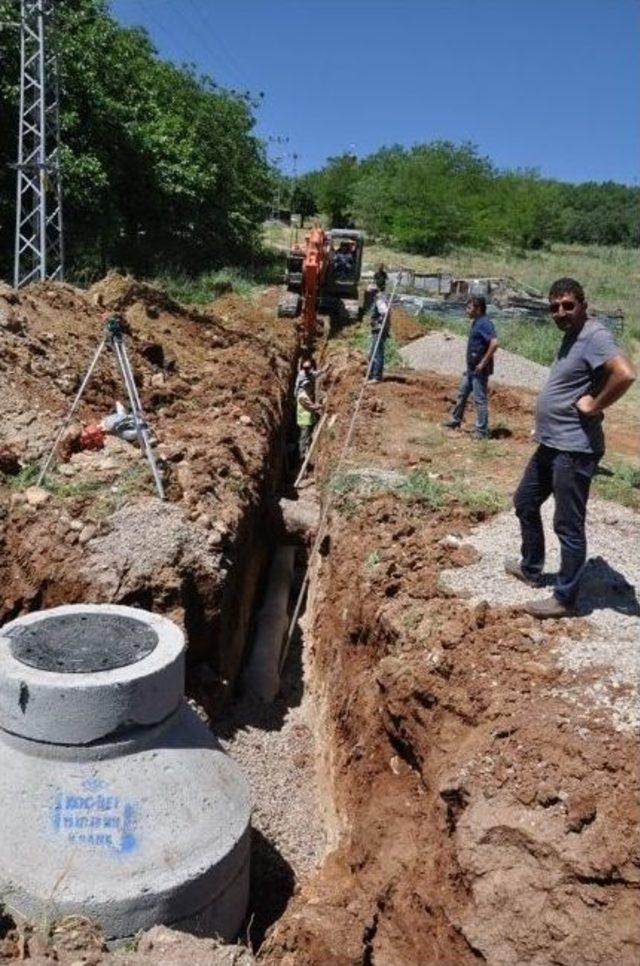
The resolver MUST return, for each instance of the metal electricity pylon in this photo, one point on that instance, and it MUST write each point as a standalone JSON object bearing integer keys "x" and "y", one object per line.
{"x": 39, "y": 250}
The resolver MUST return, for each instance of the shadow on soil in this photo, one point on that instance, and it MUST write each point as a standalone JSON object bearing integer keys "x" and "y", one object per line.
{"x": 601, "y": 588}
{"x": 604, "y": 588}
{"x": 272, "y": 885}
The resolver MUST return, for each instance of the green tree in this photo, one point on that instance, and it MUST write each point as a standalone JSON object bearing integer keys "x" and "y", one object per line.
{"x": 605, "y": 214}
{"x": 423, "y": 199}
{"x": 303, "y": 197}
{"x": 521, "y": 210}
{"x": 161, "y": 167}
{"x": 335, "y": 189}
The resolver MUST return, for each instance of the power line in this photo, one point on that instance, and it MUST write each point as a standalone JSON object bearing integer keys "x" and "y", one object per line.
{"x": 197, "y": 32}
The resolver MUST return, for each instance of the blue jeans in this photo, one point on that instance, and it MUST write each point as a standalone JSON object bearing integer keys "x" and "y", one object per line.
{"x": 476, "y": 383}
{"x": 568, "y": 477}
{"x": 376, "y": 357}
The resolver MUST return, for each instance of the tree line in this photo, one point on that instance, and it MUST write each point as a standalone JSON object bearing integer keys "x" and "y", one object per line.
{"x": 431, "y": 197}
{"x": 161, "y": 168}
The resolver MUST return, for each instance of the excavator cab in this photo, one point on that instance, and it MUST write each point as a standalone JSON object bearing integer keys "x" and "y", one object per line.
{"x": 345, "y": 262}
{"x": 325, "y": 272}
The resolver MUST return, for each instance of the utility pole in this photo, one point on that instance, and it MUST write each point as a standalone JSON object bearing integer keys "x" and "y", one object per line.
{"x": 39, "y": 250}
{"x": 294, "y": 177}
{"x": 280, "y": 142}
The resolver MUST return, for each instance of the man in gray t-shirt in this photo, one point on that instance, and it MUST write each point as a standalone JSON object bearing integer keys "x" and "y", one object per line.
{"x": 589, "y": 374}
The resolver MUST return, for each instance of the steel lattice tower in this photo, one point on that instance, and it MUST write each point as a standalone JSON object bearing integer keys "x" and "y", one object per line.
{"x": 39, "y": 252}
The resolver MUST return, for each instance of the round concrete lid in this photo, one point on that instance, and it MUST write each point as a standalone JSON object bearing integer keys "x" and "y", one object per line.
{"x": 80, "y": 673}
{"x": 79, "y": 643}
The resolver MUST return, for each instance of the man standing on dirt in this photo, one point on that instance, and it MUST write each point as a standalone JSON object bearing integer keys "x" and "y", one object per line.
{"x": 481, "y": 347}
{"x": 307, "y": 410}
{"x": 380, "y": 277}
{"x": 380, "y": 322}
{"x": 589, "y": 374}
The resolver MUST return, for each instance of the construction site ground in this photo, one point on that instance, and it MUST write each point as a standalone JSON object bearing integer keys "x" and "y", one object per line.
{"x": 444, "y": 780}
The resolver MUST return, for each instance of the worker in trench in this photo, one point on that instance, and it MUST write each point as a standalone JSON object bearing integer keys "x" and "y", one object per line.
{"x": 307, "y": 409}
{"x": 481, "y": 348}
{"x": 589, "y": 374}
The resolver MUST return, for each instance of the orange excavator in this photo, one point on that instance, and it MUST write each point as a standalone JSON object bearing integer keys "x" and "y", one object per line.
{"x": 322, "y": 278}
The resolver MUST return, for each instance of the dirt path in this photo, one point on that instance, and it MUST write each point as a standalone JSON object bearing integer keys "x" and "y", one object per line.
{"x": 607, "y": 638}
{"x": 445, "y": 352}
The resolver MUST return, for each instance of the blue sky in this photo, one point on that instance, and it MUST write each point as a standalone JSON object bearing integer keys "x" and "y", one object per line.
{"x": 548, "y": 84}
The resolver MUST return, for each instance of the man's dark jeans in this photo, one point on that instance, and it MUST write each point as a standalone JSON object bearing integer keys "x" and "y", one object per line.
{"x": 568, "y": 477}
{"x": 376, "y": 356}
{"x": 476, "y": 382}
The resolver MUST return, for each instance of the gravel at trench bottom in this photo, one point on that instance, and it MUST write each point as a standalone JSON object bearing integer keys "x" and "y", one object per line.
{"x": 274, "y": 746}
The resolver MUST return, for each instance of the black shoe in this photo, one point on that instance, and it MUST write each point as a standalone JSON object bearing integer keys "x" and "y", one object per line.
{"x": 513, "y": 568}
{"x": 451, "y": 424}
{"x": 477, "y": 436}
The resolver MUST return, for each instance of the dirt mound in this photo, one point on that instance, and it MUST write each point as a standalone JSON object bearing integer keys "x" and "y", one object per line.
{"x": 404, "y": 326}
{"x": 117, "y": 292}
{"x": 77, "y": 940}
{"x": 214, "y": 394}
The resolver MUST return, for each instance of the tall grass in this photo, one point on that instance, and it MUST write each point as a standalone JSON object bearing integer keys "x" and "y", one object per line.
{"x": 619, "y": 481}
{"x": 609, "y": 274}
{"x": 537, "y": 341}
{"x": 204, "y": 288}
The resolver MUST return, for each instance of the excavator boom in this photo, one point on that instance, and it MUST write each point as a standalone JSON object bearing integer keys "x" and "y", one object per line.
{"x": 323, "y": 277}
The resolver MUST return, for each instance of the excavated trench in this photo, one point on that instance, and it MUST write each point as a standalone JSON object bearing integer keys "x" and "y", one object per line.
{"x": 217, "y": 389}
{"x": 473, "y": 810}
{"x": 424, "y": 794}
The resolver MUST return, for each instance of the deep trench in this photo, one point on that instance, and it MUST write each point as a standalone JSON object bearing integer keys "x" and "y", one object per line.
{"x": 230, "y": 711}
{"x": 274, "y": 877}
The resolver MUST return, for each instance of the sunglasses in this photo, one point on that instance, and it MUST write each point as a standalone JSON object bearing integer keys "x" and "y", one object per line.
{"x": 566, "y": 304}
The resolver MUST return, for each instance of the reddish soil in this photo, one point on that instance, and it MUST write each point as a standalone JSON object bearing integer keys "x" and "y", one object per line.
{"x": 405, "y": 326}
{"x": 215, "y": 387}
{"x": 477, "y": 816}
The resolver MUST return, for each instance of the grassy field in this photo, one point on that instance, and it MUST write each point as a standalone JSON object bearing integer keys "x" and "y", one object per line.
{"x": 610, "y": 276}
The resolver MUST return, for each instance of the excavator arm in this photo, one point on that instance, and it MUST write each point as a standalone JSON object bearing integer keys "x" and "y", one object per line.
{"x": 314, "y": 286}
{"x": 314, "y": 269}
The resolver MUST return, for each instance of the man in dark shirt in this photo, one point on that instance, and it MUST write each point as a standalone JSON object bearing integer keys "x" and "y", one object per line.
{"x": 380, "y": 278}
{"x": 589, "y": 374}
{"x": 481, "y": 346}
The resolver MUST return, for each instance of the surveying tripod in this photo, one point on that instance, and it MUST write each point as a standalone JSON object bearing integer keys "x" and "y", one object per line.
{"x": 114, "y": 338}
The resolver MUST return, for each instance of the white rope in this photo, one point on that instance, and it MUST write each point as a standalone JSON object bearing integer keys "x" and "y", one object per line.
{"x": 329, "y": 502}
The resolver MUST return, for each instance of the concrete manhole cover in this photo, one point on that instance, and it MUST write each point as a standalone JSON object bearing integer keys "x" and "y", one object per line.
{"x": 82, "y": 643}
